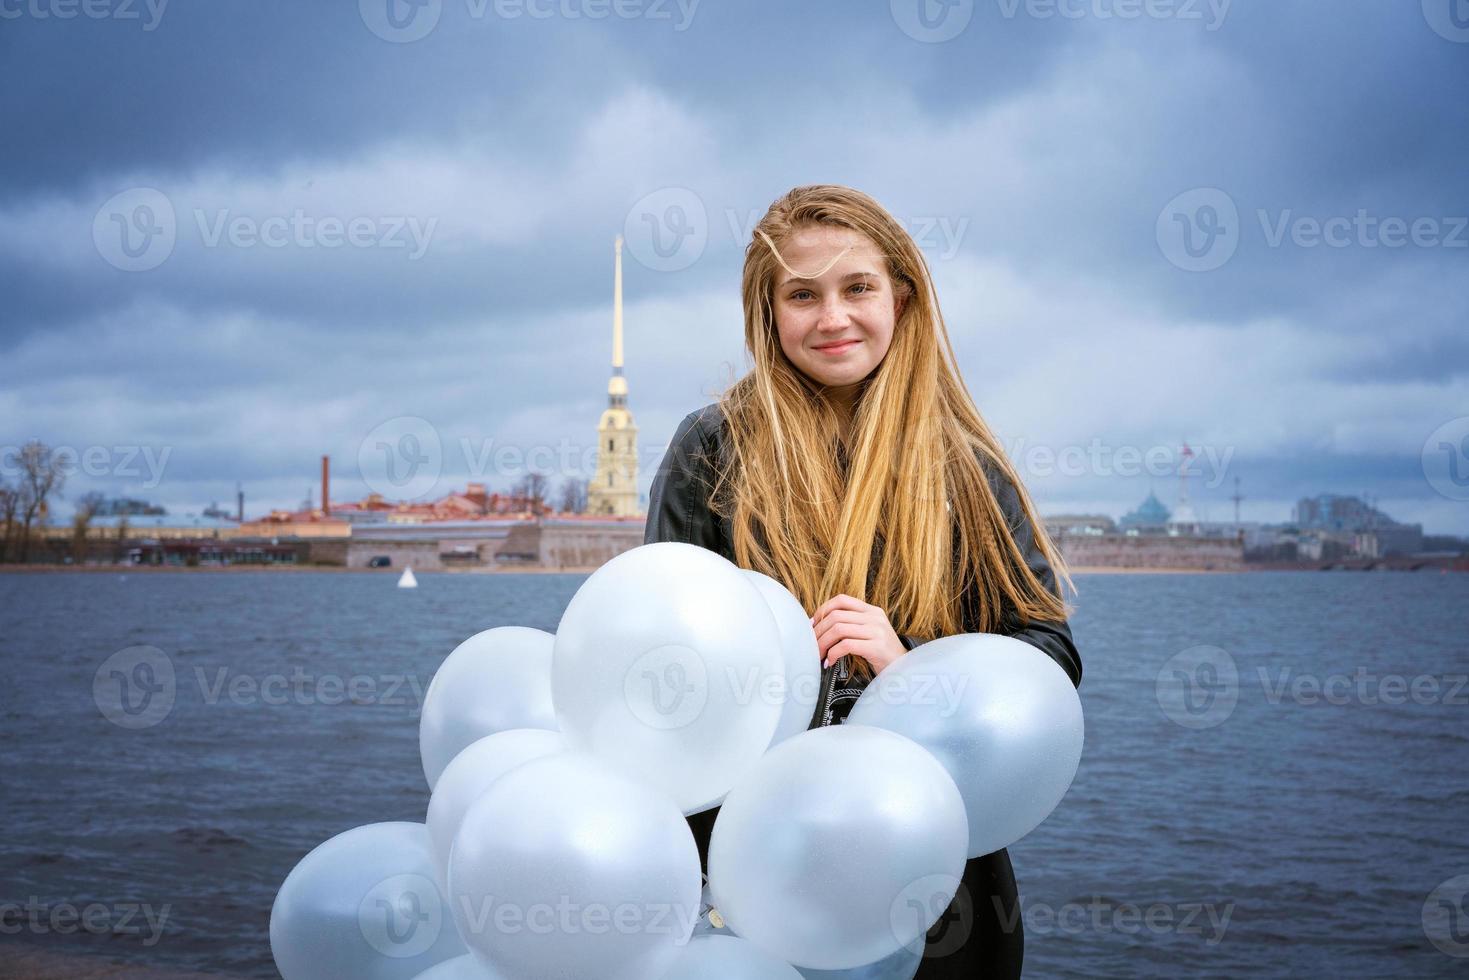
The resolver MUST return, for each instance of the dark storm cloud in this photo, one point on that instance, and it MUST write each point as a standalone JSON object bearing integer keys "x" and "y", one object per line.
{"x": 1050, "y": 143}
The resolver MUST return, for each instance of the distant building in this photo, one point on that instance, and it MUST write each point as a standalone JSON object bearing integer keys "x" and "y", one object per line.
{"x": 215, "y": 512}
{"x": 1354, "y": 526}
{"x": 1149, "y": 537}
{"x": 1335, "y": 512}
{"x": 1086, "y": 525}
{"x": 1150, "y": 517}
{"x": 1151, "y": 551}
{"x": 1184, "y": 521}
{"x": 552, "y": 542}
{"x": 468, "y": 529}
{"x": 120, "y": 506}
{"x": 613, "y": 491}
{"x": 190, "y": 553}
{"x": 1381, "y": 542}
{"x": 149, "y": 527}
{"x": 296, "y": 524}
{"x": 1330, "y": 527}
{"x": 373, "y": 509}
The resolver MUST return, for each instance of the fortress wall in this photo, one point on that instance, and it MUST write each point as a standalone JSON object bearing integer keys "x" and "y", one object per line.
{"x": 1122, "y": 551}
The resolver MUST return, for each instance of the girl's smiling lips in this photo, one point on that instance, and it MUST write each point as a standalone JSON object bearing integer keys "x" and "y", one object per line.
{"x": 838, "y": 348}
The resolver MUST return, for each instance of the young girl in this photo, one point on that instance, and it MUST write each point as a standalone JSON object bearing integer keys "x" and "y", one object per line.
{"x": 851, "y": 465}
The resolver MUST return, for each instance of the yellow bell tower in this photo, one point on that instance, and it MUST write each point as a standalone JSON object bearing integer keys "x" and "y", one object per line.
{"x": 614, "y": 488}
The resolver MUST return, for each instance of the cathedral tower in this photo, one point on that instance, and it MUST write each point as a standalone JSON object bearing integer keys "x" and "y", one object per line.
{"x": 614, "y": 488}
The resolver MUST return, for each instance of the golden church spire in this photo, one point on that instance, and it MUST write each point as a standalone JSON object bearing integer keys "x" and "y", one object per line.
{"x": 614, "y": 488}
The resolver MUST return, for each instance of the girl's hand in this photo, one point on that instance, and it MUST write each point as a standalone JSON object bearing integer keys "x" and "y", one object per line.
{"x": 847, "y": 626}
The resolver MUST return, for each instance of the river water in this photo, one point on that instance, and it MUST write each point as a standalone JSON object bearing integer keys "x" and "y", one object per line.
{"x": 1274, "y": 782}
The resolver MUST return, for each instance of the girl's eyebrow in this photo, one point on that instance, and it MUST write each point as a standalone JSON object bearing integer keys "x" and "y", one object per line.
{"x": 847, "y": 278}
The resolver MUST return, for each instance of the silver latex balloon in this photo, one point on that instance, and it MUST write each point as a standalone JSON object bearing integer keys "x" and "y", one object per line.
{"x": 1002, "y": 717}
{"x": 494, "y": 681}
{"x": 712, "y": 957}
{"x": 802, "y": 656}
{"x": 843, "y": 844}
{"x": 564, "y": 868}
{"x": 471, "y": 773}
{"x": 464, "y": 967}
{"x": 364, "y": 905}
{"x": 663, "y": 664}
{"x": 902, "y": 965}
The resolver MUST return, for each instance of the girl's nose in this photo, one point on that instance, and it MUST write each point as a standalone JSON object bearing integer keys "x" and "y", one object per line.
{"x": 832, "y": 318}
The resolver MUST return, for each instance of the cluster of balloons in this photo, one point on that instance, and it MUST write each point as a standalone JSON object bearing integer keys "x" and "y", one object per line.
{"x": 562, "y": 768}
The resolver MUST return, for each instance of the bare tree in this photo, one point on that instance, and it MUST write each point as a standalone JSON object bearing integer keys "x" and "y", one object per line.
{"x": 537, "y": 487}
{"x": 9, "y": 501}
{"x": 573, "y": 495}
{"x": 122, "y": 535}
{"x": 533, "y": 487}
{"x": 86, "y": 509}
{"x": 42, "y": 473}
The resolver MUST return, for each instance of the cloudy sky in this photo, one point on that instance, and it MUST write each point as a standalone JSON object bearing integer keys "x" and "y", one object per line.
{"x": 238, "y": 235}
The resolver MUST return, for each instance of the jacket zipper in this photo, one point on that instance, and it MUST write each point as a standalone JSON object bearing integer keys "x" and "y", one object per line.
{"x": 824, "y": 696}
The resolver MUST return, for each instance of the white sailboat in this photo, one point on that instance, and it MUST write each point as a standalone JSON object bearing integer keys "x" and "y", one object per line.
{"x": 406, "y": 580}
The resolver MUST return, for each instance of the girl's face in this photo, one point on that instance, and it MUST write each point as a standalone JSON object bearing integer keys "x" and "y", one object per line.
{"x": 836, "y": 327}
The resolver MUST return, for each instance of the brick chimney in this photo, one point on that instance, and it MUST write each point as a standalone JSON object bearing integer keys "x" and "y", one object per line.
{"x": 326, "y": 500}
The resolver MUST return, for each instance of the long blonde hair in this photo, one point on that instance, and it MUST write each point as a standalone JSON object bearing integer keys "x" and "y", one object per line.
{"x": 905, "y": 517}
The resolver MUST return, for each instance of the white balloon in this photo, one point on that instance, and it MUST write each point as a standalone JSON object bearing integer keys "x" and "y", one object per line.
{"x": 364, "y": 905}
{"x": 843, "y": 844}
{"x": 494, "y": 681}
{"x": 902, "y": 965}
{"x": 471, "y": 773}
{"x": 564, "y": 868}
{"x": 464, "y": 967}
{"x": 802, "y": 656}
{"x": 713, "y": 957}
{"x": 665, "y": 662}
{"x": 1003, "y": 718}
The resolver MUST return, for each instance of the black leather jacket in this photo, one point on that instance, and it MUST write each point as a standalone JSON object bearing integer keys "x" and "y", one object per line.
{"x": 678, "y": 510}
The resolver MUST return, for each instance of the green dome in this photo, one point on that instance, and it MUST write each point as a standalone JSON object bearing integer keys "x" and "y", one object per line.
{"x": 1150, "y": 511}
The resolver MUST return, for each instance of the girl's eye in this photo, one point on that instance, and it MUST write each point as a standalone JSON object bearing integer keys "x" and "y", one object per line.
{"x": 803, "y": 293}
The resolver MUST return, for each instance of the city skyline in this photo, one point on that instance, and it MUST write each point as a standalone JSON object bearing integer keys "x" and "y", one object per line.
{"x": 1202, "y": 513}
